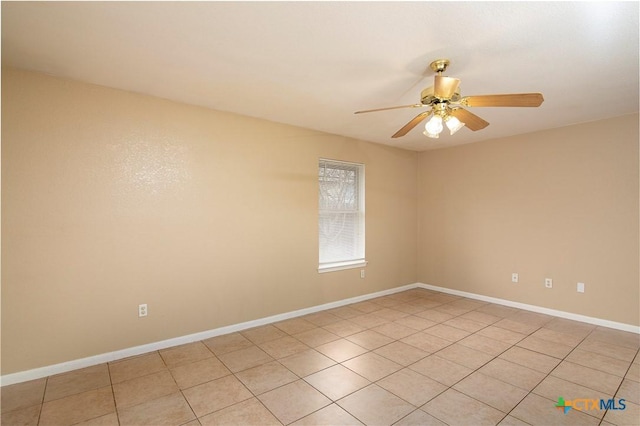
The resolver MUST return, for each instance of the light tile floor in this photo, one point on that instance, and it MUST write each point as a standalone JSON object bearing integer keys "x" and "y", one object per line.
{"x": 413, "y": 358}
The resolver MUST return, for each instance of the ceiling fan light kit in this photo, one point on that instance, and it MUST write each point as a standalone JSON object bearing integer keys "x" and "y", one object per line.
{"x": 446, "y": 105}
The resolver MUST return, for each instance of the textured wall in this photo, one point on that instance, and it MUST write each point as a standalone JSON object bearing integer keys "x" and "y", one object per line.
{"x": 111, "y": 199}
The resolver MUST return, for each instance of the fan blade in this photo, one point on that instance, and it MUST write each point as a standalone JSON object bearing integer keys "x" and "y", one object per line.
{"x": 394, "y": 107}
{"x": 445, "y": 87}
{"x": 410, "y": 125}
{"x": 513, "y": 100}
{"x": 472, "y": 121}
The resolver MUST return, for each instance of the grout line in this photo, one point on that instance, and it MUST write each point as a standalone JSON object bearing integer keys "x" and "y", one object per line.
{"x": 46, "y": 383}
{"x": 621, "y": 382}
{"x": 447, "y": 387}
{"x": 554, "y": 368}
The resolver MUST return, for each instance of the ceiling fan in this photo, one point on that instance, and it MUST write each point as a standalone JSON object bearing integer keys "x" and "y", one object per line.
{"x": 446, "y": 104}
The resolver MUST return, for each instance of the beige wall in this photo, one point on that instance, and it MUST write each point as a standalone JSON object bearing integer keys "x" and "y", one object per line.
{"x": 111, "y": 199}
{"x": 561, "y": 204}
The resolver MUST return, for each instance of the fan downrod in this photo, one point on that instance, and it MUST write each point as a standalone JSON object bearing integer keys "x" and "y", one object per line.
{"x": 439, "y": 65}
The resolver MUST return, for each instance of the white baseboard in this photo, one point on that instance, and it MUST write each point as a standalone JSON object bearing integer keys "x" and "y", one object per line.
{"x": 64, "y": 367}
{"x": 534, "y": 308}
{"x": 37, "y": 373}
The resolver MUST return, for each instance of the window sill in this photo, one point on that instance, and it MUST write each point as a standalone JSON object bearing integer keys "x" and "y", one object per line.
{"x": 340, "y": 266}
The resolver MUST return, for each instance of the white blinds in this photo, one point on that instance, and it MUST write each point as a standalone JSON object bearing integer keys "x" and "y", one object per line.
{"x": 341, "y": 221}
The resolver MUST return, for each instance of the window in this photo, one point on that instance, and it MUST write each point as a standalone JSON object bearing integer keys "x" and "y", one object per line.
{"x": 341, "y": 215}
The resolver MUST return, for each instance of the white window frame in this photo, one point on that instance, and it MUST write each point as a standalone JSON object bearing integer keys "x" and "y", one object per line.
{"x": 357, "y": 260}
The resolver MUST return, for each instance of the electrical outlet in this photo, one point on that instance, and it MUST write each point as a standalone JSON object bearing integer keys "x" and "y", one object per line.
{"x": 361, "y": 273}
{"x": 142, "y": 310}
{"x": 580, "y": 288}
{"x": 514, "y": 277}
{"x": 548, "y": 282}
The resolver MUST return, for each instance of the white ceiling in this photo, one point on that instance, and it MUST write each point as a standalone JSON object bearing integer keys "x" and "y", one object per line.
{"x": 312, "y": 64}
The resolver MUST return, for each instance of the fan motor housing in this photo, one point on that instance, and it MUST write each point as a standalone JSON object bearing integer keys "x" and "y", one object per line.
{"x": 427, "y": 97}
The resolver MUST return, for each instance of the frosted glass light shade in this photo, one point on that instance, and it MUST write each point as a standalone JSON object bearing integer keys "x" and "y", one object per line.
{"x": 434, "y": 125}
{"x": 453, "y": 124}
